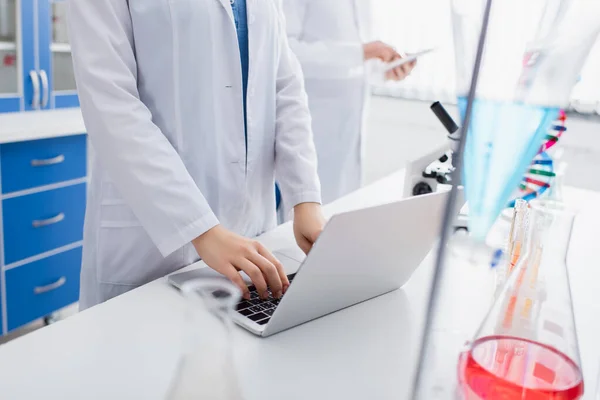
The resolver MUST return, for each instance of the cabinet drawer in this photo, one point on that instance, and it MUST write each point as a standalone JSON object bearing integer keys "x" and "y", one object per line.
{"x": 42, "y": 221}
{"x": 42, "y": 287}
{"x": 25, "y": 165}
{"x": 1, "y": 319}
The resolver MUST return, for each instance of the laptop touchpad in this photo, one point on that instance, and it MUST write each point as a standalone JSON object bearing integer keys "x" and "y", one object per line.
{"x": 291, "y": 263}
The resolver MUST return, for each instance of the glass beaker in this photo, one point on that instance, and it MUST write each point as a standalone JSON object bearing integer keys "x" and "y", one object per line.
{"x": 206, "y": 370}
{"x": 527, "y": 347}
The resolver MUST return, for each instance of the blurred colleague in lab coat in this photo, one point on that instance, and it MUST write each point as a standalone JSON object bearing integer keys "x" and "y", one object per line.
{"x": 332, "y": 40}
{"x": 192, "y": 108}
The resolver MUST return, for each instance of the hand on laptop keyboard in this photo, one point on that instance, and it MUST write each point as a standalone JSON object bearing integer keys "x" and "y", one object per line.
{"x": 257, "y": 309}
{"x": 228, "y": 253}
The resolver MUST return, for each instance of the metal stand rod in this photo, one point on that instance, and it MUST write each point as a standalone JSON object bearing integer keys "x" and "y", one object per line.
{"x": 449, "y": 211}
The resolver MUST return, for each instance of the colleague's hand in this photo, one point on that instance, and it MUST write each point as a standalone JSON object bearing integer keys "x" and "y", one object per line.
{"x": 401, "y": 72}
{"x": 380, "y": 50}
{"x": 228, "y": 253}
{"x": 308, "y": 224}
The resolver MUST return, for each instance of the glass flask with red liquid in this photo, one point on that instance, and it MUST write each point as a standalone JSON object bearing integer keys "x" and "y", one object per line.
{"x": 527, "y": 346}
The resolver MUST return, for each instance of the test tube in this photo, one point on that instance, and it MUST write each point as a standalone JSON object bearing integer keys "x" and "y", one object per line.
{"x": 518, "y": 232}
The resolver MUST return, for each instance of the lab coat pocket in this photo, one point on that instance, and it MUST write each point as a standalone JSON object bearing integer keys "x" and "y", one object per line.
{"x": 126, "y": 255}
{"x": 118, "y": 215}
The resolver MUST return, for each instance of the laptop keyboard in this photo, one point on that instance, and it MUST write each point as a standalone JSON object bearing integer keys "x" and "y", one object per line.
{"x": 258, "y": 310}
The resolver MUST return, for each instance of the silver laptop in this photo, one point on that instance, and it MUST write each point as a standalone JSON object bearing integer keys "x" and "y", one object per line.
{"x": 360, "y": 255}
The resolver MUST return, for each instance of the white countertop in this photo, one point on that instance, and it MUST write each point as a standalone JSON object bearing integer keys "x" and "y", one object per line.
{"x": 32, "y": 125}
{"x": 127, "y": 348}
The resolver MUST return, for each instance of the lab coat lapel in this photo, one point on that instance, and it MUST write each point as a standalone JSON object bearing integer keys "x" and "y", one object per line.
{"x": 227, "y": 5}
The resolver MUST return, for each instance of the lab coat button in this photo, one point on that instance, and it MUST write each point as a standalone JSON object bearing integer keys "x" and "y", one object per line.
{"x": 251, "y": 19}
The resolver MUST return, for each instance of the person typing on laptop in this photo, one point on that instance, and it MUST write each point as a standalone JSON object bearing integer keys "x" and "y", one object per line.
{"x": 186, "y": 151}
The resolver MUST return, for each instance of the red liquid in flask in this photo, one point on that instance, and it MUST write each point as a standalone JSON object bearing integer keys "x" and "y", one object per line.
{"x": 504, "y": 368}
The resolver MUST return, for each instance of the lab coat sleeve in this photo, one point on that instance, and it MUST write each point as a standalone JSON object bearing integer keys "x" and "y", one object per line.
{"x": 295, "y": 154}
{"x": 144, "y": 166}
{"x": 320, "y": 58}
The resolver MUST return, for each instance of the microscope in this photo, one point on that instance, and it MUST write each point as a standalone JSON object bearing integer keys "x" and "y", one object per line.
{"x": 424, "y": 176}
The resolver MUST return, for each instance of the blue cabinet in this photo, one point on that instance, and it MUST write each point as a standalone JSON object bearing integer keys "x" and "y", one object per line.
{"x": 25, "y": 165}
{"x": 36, "y": 71}
{"x": 42, "y": 203}
{"x": 43, "y": 221}
{"x": 37, "y": 289}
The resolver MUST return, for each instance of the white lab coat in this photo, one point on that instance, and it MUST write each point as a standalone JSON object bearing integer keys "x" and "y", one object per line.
{"x": 160, "y": 87}
{"x": 328, "y": 37}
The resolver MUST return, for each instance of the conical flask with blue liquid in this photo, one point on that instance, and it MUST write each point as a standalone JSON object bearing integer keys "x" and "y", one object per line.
{"x": 533, "y": 54}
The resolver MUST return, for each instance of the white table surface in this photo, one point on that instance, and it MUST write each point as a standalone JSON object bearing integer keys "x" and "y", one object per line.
{"x": 32, "y": 125}
{"x": 127, "y": 348}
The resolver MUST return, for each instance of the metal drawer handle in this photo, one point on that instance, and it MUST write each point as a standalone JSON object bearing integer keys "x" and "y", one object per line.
{"x": 48, "y": 288}
{"x": 44, "y": 79}
{"x": 35, "y": 82}
{"x": 48, "y": 161}
{"x": 50, "y": 221}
